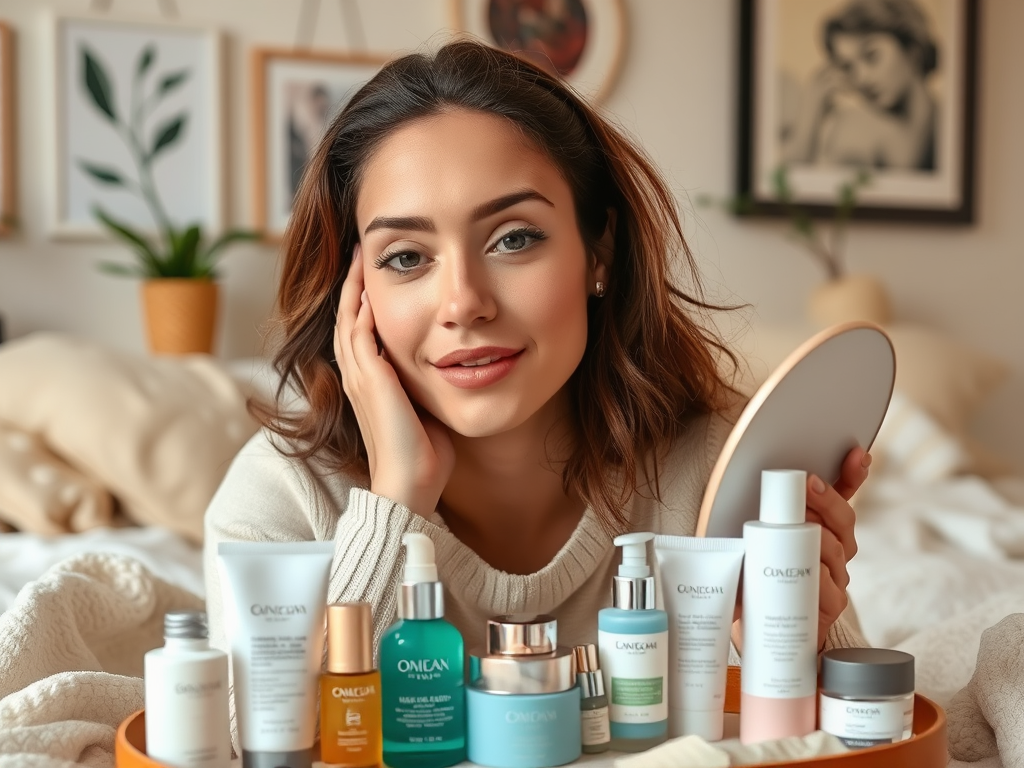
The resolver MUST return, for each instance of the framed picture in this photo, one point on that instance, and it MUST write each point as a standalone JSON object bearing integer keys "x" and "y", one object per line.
{"x": 296, "y": 94}
{"x": 137, "y": 125}
{"x": 835, "y": 88}
{"x": 582, "y": 41}
{"x": 8, "y": 167}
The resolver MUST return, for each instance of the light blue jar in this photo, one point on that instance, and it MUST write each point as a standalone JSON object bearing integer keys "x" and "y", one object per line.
{"x": 522, "y": 703}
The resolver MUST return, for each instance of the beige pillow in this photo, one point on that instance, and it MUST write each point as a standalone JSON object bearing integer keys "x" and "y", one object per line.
{"x": 947, "y": 378}
{"x": 158, "y": 433}
{"x": 40, "y": 493}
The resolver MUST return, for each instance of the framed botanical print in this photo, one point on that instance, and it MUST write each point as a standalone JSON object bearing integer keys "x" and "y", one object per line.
{"x": 137, "y": 125}
{"x": 582, "y": 41}
{"x": 831, "y": 89}
{"x": 295, "y": 95}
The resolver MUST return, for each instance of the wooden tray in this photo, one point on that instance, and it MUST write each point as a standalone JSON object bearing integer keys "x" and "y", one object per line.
{"x": 925, "y": 749}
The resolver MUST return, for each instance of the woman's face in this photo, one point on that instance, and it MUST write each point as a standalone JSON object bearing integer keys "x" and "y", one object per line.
{"x": 475, "y": 269}
{"x": 876, "y": 65}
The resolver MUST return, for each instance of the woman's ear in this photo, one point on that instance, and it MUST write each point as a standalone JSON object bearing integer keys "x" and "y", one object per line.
{"x": 604, "y": 253}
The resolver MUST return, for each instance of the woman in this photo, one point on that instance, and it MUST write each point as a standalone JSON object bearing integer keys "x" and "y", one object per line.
{"x": 476, "y": 308}
{"x": 870, "y": 104}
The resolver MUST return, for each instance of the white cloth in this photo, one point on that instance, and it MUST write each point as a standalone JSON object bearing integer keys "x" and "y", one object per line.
{"x": 71, "y": 652}
{"x": 694, "y": 752}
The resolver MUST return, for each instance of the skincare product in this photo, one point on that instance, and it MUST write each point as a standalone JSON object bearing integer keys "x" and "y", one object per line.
{"x": 596, "y": 730}
{"x": 522, "y": 700}
{"x": 780, "y": 613}
{"x": 350, "y": 728}
{"x": 422, "y": 662}
{"x": 275, "y": 594}
{"x": 699, "y": 579}
{"x": 633, "y": 643}
{"x": 867, "y": 695}
{"x": 186, "y": 685}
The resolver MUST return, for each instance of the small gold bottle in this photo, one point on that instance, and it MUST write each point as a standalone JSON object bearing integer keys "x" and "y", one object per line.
{"x": 350, "y": 717}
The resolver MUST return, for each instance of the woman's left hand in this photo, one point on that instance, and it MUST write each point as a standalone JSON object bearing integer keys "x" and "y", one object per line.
{"x": 829, "y": 506}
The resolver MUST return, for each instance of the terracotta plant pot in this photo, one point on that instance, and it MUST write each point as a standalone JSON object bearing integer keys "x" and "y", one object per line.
{"x": 181, "y": 315}
{"x": 853, "y": 297}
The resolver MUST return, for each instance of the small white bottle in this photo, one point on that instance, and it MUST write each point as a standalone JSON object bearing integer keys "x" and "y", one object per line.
{"x": 780, "y": 613}
{"x": 186, "y": 685}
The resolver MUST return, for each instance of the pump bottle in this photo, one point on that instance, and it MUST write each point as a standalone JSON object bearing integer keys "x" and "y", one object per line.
{"x": 633, "y": 646}
{"x": 780, "y": 613}
{"x": 422, "y": 665}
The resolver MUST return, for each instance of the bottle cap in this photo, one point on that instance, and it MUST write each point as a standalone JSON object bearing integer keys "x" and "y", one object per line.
{"x": 186, "y": 625}
{"x": 588, "y": 675}
{"x": 633, "y": 587}
{"x": 867, "y": 672}
{"x": 349, "y": 638}
{"x": 783, "y": 496}
{"x": 421, "y": 596}
{"x": 420, "y": 565}
{"x": 522, "y": 634}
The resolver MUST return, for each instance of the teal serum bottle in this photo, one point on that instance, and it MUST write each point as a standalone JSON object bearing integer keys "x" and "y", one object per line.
{"x": 632, "y": 642}
{"x": 422, "y": 667}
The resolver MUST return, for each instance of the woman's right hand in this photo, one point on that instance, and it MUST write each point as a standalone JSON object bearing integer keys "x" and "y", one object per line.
{"x": 410, "y": 455}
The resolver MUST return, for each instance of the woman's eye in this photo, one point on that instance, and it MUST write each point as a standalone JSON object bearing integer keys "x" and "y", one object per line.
{"x": 517, "y": 240}
{"x": 399, "y": 262}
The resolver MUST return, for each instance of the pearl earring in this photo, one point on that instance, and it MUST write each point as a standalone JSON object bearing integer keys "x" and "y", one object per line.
{"x": 599, "y": 289}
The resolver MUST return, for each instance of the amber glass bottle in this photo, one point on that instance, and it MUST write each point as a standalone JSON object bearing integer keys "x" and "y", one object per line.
{"x": 350, "y": 719}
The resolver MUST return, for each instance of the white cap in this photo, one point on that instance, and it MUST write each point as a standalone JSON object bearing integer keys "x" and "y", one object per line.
{"x": 783, "y": 496}
{"x": 634, "y": 554}
{"x": 420, "y": 565}
{"x": 708, "y": 724}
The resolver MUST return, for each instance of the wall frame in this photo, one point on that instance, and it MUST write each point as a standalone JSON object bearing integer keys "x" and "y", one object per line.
{"x": 828, "y": 87}
{"x": 8, "y": 132}
{"x": 295, "y": 95}
{"x": 157, "y": 81}
{"x": 584, "y": 43}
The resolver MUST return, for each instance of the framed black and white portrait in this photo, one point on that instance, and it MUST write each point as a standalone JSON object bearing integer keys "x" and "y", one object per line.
{"x": 834, "y": 88}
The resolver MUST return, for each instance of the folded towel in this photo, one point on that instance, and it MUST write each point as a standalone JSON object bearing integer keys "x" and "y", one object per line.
{"x": 694, "y": 752}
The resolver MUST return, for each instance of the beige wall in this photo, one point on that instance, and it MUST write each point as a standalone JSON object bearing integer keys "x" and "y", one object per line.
{"x": 676, "y": 93}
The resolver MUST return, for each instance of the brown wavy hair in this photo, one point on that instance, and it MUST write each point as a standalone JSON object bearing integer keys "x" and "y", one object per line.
{"x": 648, "y": 364}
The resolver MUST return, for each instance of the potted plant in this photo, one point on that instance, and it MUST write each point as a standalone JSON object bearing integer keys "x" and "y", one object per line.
{"x": 177, "y": 264}
{"x": 843, "y": 296}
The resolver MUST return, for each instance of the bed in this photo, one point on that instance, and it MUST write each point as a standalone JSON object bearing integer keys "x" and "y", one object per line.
{"x": 107, "y": 460}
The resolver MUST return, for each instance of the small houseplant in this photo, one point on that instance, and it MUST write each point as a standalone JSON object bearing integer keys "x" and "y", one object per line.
{"x": 177, "y": 264}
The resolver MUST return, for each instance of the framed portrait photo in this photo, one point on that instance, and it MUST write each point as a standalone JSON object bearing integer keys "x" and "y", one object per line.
{"x": 881, "y": 89}
{"x": 582, "y": 41}
{"x": 137, "y": 125}
{"x": 296, "y": 94}
{"x": 8, "y": 169}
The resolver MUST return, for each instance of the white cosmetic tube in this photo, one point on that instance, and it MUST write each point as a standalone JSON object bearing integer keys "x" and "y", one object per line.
{"x": 275, "y": 599}
{"x": 699, "y": 578}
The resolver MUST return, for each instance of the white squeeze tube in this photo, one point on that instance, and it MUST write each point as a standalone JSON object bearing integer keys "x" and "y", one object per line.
{"x": 275, "y": 602}
{"x": 699, "y": 579}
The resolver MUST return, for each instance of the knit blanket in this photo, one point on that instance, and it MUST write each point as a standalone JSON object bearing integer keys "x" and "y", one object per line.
{"x": 71, "y": 653}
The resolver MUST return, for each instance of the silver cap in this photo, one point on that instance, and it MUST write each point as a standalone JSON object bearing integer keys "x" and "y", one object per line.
{"x": 522, "y": 634}
{"x": 867, "y": 672}
{"x": 422, "y": 600}
{"x": 588, "y": 676}
{"x": 633, "y": 593}
{"x": 186, "y": 625}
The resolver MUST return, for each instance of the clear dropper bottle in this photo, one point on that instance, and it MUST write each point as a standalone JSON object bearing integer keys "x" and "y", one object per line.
{"x": 596, "y": 731}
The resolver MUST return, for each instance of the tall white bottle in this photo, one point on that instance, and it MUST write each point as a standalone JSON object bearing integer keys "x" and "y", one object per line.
{"x": 186, "y": 685}
{"x": 780, "y": 613}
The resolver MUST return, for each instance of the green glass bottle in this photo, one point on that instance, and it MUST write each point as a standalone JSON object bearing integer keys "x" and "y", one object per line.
{"x": 422, "y": 667}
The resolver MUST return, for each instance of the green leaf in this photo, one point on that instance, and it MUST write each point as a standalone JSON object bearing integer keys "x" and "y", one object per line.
{"x": 151, "y": 264}
{"x": 98, "y": 84}
{"x": 167, "y": 134}
{"x": 101, "y": 174}
{"x": 146, "y": 59}
{"x": 183, "y": 258}
{"x": 172, "y": 81}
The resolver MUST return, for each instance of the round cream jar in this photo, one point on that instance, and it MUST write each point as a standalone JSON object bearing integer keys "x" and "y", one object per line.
{"x": 867, "y": 696}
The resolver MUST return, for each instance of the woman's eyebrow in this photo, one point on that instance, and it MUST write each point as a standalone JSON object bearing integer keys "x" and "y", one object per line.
{"x": 424, "y": 224}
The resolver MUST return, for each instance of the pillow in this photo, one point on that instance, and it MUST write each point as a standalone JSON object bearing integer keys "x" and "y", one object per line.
{"x": 948, "y": 379}
{"x": 158, "y": 433}
{"x": 40, "y": 493}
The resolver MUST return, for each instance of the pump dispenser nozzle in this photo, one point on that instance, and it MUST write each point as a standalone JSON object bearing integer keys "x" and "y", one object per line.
{"x": 421, "y": 595}
{"x": 633, "y": 588}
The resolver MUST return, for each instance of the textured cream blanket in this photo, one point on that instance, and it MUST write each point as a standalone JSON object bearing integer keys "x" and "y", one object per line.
{"x": 71, "y": 650}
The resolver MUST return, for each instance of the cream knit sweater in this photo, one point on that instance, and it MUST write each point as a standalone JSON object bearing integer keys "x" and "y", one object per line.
{"x": 267, "y": 497}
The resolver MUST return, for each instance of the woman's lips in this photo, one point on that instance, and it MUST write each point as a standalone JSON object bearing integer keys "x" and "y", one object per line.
{"x": 479, "y": 376}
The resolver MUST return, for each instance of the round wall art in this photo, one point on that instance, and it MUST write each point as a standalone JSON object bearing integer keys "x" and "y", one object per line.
{"x": 581, "y": 41}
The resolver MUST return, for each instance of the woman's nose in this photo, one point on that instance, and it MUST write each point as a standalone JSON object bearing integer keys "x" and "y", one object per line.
{"x": 466, "y": 297}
